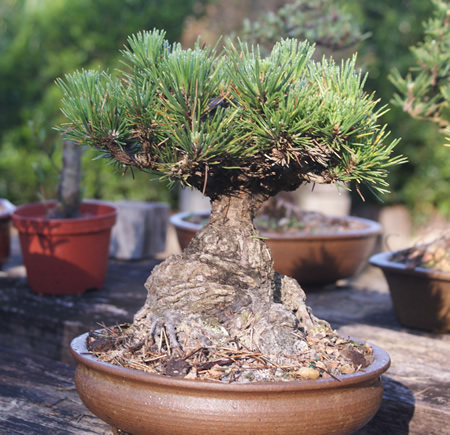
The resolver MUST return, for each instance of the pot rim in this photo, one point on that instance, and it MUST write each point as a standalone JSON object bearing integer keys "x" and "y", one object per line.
{"x": 380, "y": 364}
{"x": 31, "y": 219}
{"x": 371, "y": 228}
{"x": 383, "y": 261}
{"x": 18, "y": 216}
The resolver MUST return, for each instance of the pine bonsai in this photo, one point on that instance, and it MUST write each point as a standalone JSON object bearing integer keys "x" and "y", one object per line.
{"x": 240, "y": 128}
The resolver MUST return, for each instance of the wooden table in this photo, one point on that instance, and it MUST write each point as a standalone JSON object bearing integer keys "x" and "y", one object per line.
{"x": 37, "y": 394}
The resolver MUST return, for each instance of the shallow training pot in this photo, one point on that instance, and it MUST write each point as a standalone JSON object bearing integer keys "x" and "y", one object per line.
{"x": 312, "y": 259}
{"x": 421, "y": 297}
{"x": 65, "y": 256}
{"x": 142, "y": 403}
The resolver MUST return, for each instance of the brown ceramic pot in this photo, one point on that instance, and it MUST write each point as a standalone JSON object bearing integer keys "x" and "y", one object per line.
{"x": 421, "y": 297}
{"x": 312, "y": 259}
{"x": 65, "y": 256}
{"x": 141, "y": 403}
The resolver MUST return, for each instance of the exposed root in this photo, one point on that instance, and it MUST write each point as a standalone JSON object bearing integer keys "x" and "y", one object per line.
{"x": 284, "y": 343}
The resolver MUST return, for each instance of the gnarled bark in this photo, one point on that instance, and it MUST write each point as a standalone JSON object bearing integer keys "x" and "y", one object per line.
{"x": 224, "y": 285}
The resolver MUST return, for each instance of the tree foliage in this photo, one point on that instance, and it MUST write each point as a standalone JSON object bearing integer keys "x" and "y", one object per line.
{"x": 328, "y": 24}
{"x": 421, "y": 183}
{"x": 231, "y": 121}
{"x": 392, "y": 28}
{"x": 426, "y": 95}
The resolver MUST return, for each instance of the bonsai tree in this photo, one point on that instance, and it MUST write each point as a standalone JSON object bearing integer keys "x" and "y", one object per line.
{"x": 68, "y": 199}
{"x": 426, "y": 94}
{"x": 330, "y": 26}
{"x": 240, "y": 128}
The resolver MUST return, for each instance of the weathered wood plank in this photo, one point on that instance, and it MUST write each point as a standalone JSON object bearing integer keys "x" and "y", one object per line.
{"x": 47, "y": 324}
{"x": 417, "y": 385}
{"x": 37, "y": 396}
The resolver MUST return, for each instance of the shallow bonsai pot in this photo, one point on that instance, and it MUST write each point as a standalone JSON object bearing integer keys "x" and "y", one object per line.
{"x": 65, "y": 256}
{"x": 312, "y": 259}
{"x": 421, "y": 297}
{"x": 6, "y": 211}
{"x": 142, "y": 403}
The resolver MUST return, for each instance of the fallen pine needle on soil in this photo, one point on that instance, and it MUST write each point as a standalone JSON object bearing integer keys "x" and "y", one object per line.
{"x": 324, "y": 354}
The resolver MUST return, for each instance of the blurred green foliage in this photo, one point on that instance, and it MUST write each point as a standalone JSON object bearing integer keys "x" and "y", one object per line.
{"x": 425, "y": 91}
{"x": 395, "y": 26}
{"x": 327, "y": 24}
{"x": 41, "y": 40}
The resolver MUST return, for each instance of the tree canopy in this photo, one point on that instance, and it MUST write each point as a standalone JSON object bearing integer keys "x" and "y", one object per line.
{"x": 232, "y": 120}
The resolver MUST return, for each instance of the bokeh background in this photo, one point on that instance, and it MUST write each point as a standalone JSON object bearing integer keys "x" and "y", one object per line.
{"x": 41, "y": 40}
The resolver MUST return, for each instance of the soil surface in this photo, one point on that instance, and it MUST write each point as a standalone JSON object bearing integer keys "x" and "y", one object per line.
{"x": 324, "y": 355}
{"x": 434, "y": 255}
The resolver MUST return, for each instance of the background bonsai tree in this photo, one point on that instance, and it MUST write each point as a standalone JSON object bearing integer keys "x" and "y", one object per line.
{"x": 68, "y": 196}
{"x": 240, "y": 128}
{"x": 426, "y": 94}
{"x": 329, "y": 25}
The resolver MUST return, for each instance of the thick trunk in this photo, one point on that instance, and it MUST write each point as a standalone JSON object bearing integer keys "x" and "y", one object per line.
{"x": 224, "y": 286}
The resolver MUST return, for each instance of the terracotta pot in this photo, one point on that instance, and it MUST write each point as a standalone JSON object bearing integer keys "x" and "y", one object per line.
{"x": 141, "y": 403}
{"x": 421, "y": 297}
{"x": 6, "y": 211}
{"x": 312, "y": 259}
{"x": 65, "y": 256}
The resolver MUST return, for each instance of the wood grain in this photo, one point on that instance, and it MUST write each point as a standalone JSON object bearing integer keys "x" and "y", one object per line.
{"x": 37, "y": 396}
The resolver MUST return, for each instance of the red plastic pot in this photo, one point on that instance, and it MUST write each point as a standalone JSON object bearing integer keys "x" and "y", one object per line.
{"x": 65, "y": 256}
